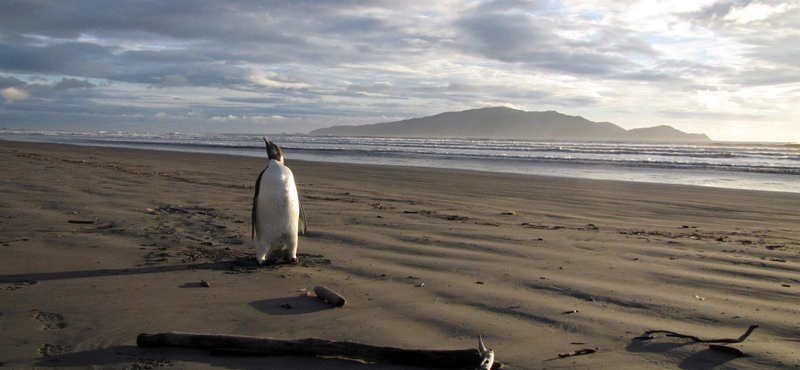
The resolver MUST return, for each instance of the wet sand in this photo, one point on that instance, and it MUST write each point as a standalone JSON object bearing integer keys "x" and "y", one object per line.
{"x": 99, "y": 245}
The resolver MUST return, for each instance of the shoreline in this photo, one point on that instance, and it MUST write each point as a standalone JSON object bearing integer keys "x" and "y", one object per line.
{"x": 776, "y": 179}
{"x": 501, "y": 255}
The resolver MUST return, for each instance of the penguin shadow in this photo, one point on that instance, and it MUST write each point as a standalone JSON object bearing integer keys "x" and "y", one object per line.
{"x": 132, "y": 357}
{"x": 295, "y": 305}
{"x": 638, "y": 345}
{"x": 705, "y": 359}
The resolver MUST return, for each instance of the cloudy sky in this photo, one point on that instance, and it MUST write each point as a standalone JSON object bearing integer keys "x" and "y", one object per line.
{"x": 725, "y": 68}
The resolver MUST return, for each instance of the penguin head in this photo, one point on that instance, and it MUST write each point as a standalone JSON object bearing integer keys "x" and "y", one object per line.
{"x": 273, "y": 151}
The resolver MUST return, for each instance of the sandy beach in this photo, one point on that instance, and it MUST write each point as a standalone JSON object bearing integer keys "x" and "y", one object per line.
{"x": 99, "y": 245}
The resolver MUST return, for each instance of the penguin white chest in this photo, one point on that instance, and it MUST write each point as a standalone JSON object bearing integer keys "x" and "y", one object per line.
{"x": 277, "y": 213}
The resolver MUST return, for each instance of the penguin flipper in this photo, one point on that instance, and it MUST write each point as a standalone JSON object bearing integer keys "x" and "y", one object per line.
{"x": 254, "y": 214}
{"x": 301, "y": 221}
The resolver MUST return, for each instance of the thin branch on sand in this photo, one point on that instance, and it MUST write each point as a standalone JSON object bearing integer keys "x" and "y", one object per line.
{"x": 579, "y": 352}
{"x": 647, "y": 335}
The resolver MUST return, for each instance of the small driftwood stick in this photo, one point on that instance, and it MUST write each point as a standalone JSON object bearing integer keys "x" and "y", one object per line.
{"x": 87, "y": 222}
{"x": 744, "y": 336}
{"x": 330, "y": 296}
{"x": 459, "y": 358}
{"x": 579, "y": 352}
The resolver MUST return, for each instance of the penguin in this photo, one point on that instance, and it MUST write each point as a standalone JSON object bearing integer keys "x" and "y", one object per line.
{"x": 278, "y": 217}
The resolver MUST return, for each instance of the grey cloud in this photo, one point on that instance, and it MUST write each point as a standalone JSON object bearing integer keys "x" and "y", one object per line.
{"x": 647, "y": 75}
{"x": 577, "y": 62}
{"x": 504, "y": 36}
{"x": 617, "y": 40}
{"x": 360, "y": 25}
{"x": 72, "y": 83}
{"x": 760, "y": 76}
{"x": 575, "y": 102}
{"x": 95, "y": 61}
{"x": 272, "y": 100}
{"x": 66, "y": 108}
{"x": 773, "y": 47}
{"x": 197, "y": 33}
{"x": 461, "y": 87}
{"x": 509, "y": 5}
{"x": 781, "y": 49}
{"x": 714, "y": 12}
{"x": 206, "y": 45}
{"x": 530, "y": 95}
{"x": 180, "y": 19}
{"x": 374, "y": 88}
{"x": 70, "y": 58}
{"x": 530, "y": 40}
{"x": 6, "y": 82}
{"x": 175, "y": 80}
{"x": 176, "y": 75}
{"x": 466, "y": 89}
{"x": 183, "y": 56}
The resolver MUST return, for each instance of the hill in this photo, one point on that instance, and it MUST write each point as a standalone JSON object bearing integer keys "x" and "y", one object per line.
{"x": 507, "y": 123}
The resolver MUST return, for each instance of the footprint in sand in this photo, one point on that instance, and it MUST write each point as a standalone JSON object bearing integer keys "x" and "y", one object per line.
{"x": 52, "y": 320}
{"x": 48, "y": 349}
{"x": 19, "y": 285}
{"x": 144, "y": 364}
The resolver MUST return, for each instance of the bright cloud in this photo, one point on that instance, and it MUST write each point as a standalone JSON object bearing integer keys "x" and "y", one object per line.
{"x": 12, "y": 94}
{"x": 716, "y": 100}
{"x": 271, "y": 79}
{"x": 755, "y": 12}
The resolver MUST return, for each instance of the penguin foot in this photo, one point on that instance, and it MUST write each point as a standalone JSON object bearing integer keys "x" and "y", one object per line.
{"x": 293, "y": 260}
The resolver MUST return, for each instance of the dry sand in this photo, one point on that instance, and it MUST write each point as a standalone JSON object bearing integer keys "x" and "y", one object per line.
{"x": 426, "y": 258}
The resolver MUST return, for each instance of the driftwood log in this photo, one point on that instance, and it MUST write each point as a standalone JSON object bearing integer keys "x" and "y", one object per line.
{"x": 455, "y": 359}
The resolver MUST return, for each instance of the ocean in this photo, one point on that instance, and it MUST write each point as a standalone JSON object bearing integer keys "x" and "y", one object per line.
{"x": 741, "y": 165}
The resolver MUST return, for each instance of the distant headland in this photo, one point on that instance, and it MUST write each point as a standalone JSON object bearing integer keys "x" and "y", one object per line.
{"x": 508, "y": 123}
